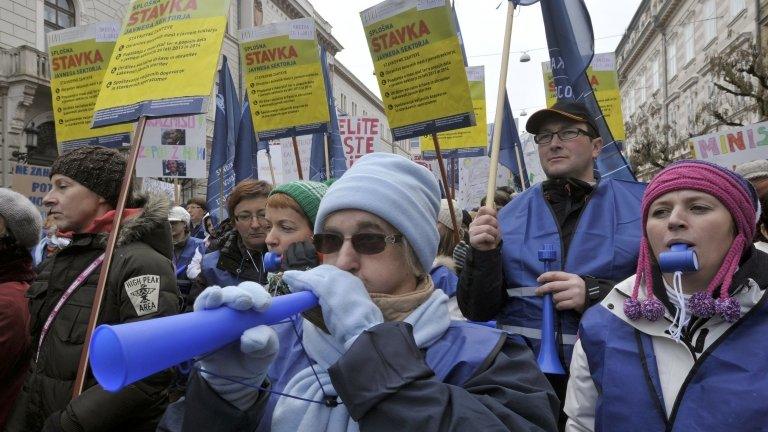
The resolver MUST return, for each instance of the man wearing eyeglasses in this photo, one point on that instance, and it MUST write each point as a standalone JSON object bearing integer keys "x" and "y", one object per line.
{"x": 593, "y": 224}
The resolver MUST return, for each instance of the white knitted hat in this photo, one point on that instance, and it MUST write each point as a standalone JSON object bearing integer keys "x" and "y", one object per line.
{"x": 22, "y": 218}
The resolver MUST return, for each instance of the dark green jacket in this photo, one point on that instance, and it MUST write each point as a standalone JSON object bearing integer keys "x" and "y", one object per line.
{"x": 142, "y": 260}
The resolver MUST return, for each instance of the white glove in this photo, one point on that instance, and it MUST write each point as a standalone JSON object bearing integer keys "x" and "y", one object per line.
{"x": 347, "y": 307}
{"x": 247, "y": 361}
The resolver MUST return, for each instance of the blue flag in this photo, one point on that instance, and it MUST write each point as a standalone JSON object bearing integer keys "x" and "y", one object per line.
{"x": 317, "y": 169}
{"x": 246, "y": 164}
{"x": 510, "y": 141}
{"x": 221, "y": 175}
{"x": 571, "y": 48}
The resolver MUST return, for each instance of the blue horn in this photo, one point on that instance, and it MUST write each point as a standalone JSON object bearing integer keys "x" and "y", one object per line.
{"x": 272, "y": 262}
{"x": 125, "y": 353}
{"x": 680, "y": 258}
{"x": 548, "y": 360}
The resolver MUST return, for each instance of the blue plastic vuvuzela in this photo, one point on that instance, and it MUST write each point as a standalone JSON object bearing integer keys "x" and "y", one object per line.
{"x": 548, "y": 359}
{"x": 125, "y": 353}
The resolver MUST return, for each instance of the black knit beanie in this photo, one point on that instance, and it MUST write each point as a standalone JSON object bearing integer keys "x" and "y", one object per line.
{"x": 99, "y": 169}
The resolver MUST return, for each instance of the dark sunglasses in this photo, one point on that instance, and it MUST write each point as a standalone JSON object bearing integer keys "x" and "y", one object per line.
{"x": 363, "y": 243}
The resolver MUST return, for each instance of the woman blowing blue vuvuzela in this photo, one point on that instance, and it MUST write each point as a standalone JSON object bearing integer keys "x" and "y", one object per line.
{"x": 681, "y": 346}
{"x": 391, "y": 358}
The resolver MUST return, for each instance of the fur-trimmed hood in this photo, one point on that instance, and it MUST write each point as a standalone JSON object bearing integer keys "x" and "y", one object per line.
{"x": 150, "y": 226}
{"x": 444, "y": 260}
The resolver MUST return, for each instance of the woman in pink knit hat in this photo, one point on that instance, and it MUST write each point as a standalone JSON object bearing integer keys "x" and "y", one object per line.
{"x": 681, "y": 345}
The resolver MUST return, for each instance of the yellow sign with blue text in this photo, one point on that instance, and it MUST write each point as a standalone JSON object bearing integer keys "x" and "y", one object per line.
{"x": 419, "y": 67}
{"x": 602, "y": 76}
{"x": 284, "y": 79}
{"x": 164, "y": 60}
{"x": 467, "y": 142}
{"x": 78, "y": 59}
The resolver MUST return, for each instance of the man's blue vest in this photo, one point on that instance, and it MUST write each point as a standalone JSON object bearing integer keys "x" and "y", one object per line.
{"x": 454, "y": 358}
{"x": 604, "y": 245}
{"x": 726, "y": 389}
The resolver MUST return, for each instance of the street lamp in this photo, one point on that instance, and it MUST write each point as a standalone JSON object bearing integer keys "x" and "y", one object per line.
{"x": 31, "y": 132}
{"x": 524, "y": 57}
{"x": 523, "y": 113}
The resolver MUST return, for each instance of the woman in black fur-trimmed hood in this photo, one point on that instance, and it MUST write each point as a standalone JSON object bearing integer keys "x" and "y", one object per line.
{"x": 141, "y": 285}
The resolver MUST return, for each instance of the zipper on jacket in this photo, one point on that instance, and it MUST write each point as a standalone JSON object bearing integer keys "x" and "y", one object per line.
{"x": 705, "y": 355}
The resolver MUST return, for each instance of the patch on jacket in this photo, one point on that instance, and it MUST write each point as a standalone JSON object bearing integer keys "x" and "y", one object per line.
{"x": 143, "y": 292}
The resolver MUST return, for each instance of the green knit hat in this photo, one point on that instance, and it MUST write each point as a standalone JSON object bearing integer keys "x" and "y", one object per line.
{"x": 307, "y": 195}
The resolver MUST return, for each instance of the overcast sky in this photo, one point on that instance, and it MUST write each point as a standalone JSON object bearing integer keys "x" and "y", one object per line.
{"x": 482, "y": 26}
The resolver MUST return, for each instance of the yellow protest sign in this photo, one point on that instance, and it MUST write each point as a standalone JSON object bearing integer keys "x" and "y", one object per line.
{"x": 164, "y": 60}
{"x": 78, "y": 60}
{"x": 284, "y": 78}
{"x": 602, "y": 76}
{"x": 466, "y": 142}
{"x": 418, "y": 63}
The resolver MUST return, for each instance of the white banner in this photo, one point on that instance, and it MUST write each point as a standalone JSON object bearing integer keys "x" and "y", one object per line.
{"x": 31, "y": 181}
{"x": 732, "y": 147}
{"x": 359, "y": 136}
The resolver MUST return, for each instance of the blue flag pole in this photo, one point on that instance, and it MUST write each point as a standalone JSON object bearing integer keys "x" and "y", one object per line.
{"x": 221, "y": 175}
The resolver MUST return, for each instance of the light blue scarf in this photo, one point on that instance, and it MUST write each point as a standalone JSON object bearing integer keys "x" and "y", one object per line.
{"x": 430, "y": 321}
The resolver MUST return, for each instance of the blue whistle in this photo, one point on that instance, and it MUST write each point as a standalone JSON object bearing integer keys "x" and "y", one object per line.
{"x": 680, "y": 258}
{"x": 272, "y": 262}
{"x": 547, "y": 255}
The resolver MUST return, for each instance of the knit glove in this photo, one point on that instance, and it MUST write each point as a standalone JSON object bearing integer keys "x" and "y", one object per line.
{"x": 244, "y": 362}
{"x": 347, "y": 308}
{"x": 300, "y": 256}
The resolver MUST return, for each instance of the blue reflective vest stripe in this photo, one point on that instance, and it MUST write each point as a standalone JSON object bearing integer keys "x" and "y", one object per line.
{"x": 604, "y": 245}
{"x": 454, "y": 358}
{"x": 726, "y": 391}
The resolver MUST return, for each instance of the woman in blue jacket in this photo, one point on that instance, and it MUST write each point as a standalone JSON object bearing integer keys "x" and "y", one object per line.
{"x": 391, "y": 359}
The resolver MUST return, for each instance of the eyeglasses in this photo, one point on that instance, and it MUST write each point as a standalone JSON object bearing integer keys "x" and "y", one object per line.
{"x": 563, "y": 135}
{"x": 362, "y": 243}
{"x": 247, "y": 217}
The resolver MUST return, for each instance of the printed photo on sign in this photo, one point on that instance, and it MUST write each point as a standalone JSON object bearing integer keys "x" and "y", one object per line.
{"x": 144, "y": 292}
{"x": 174, "y": 168}
{"x": 173, "y": 137}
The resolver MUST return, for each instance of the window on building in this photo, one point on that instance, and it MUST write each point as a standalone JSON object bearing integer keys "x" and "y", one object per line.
{"x": 640, "y": 89}
{"x": 671, "y": 57}
{"x": 709, "y": 20}
{"x": 59, "y": 14}
{"x": 631, "y": 98}
{"x": 688, "y": 39}
{"x": 258, "y": 13}
{"x": 354, "y": 108}
{"x": 365, "y": 113}
{"x": 46, "y": 150}
{"x": 655, "y": 75}
{"x": 343, "y": 101}
{"x": 737, "y": 6}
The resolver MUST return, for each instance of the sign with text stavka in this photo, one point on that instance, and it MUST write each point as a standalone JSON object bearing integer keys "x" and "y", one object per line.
{"x": 284, "y": 79}
{"x": 467, "y": 142}
{"x": 173, "y": 147}
{"x": 164, "y": 61}
{"x": 419, "y": 67}
{"x": 78, "y": 60}
{"x": 602, "y": 76}
{"x": 732, "y": 147}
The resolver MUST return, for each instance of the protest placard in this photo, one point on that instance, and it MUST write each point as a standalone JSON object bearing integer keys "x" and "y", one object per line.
{"x": 33, "y": 182}
{"x": 467, "y": 142}
{"x": 78, "y": 61}
{"x": 733, "y": 146}
{"x": 359, "y": 136}
{"x": 601, "y": 74}
{"x": 284, "y": 79}
{"x": 159, "y": 187}
{"x": 164, "y": 60}
{"x": 173, "y": 147}
{"x": 419, "y": 67}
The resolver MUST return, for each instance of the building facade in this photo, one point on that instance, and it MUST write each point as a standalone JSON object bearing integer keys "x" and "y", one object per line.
{"x": 663, "y": 65}
{"x": 26, "y": 118}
